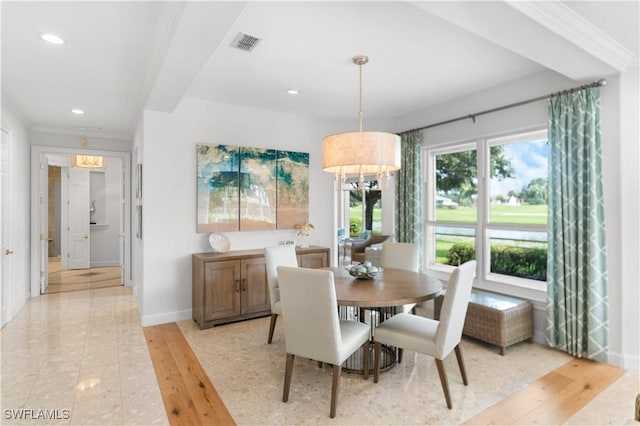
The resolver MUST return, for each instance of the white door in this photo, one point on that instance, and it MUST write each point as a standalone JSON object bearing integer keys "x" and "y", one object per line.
{"x": 5, "y": 236}
{"x": 78, "y": 218}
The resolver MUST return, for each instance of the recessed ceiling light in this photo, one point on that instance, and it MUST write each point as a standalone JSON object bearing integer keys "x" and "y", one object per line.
{"x": 77, "y": 111}
{"x": 293, "y": 91}
{"x": 51, "y": 38}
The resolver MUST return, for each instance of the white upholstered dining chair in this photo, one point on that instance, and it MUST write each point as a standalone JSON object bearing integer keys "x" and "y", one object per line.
{"x": 312, "y": 328}
{"x": 428, "y": 336}
{"x": 401, "y": 256}
{"x": 282, "y": 255}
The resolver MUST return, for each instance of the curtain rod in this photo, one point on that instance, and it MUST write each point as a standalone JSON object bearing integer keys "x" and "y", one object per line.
{"x": 601, "y": 82}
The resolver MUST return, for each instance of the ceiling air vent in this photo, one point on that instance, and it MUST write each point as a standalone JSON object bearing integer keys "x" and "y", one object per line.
{"x": 245, "y": 42}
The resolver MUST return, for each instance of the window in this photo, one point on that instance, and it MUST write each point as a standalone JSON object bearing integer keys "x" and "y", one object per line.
{"x": 367, "y": 215}
{"x": 487, "y": 200}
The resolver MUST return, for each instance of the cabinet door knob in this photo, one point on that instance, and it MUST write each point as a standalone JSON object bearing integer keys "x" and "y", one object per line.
{"x": 237, "y": 286}
{"x": 244, "y": 284}
{"x": 8, "y": 252}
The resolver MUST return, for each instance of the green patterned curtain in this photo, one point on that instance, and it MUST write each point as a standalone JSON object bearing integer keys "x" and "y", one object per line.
{"x": 409, "y": 191}
{"x": 577, "y": 287}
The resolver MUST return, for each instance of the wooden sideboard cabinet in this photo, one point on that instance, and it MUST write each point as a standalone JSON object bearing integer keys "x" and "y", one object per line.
{"x": 232, "y": 286}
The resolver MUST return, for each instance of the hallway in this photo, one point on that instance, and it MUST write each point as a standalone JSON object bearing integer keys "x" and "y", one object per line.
{"x": 81, "y": 357}
{"x": 81, "y": 279}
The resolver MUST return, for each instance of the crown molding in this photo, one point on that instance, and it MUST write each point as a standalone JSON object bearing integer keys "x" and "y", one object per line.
{"x": 573, "y": 27}
{"x": 81, "y": 133}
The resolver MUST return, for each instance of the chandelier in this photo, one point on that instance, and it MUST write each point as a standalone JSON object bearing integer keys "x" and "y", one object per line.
{"x": 359, "y": 154}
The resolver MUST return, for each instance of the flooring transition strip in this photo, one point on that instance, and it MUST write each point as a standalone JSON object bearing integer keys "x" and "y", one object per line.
{"x": 188, "y": 395}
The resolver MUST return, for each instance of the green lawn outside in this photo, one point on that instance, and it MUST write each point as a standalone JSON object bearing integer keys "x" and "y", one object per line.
{"x": 524, "y": 214}
{"x": 356, "y": 211}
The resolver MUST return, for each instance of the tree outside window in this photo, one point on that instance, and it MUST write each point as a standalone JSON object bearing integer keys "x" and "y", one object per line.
{"x": 501, "y": 217}
{"x": 371, "y": 211}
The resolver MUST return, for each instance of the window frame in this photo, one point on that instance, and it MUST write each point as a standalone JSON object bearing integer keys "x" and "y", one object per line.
{"x": 483, "y": 225}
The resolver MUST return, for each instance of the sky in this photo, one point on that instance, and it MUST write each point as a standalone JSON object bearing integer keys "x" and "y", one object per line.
{"x": 529, "y": 160}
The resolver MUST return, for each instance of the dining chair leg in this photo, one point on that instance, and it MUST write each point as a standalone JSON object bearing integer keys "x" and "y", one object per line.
{"x": 287, "y": 377}
{"x": 443, "y": 381}
{"x": 365, "y": 360}
{"x": 272, "y": 327}
{"x": 334, "y": 390}
{"x": 376, "y": 361}
{"x": 463, "y": 372}
{"x": 400, "y": 352}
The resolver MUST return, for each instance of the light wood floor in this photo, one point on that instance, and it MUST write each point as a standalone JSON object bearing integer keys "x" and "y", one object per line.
{"x": 61, "y": 281}
{"x": 554, "y": 398}
{"x": 188, "y": 395}
{"x": 190, "y": 398}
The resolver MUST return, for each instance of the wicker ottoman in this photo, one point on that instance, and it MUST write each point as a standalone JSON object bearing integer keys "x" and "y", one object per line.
{"x": 495, "y": 318}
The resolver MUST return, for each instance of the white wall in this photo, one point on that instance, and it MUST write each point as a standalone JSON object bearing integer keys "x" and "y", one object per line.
{"x": 626, "y": 347}
{"x": 14, "y": 122}
{"x": 169, "y": 194}
{"x": 620, "y": 159}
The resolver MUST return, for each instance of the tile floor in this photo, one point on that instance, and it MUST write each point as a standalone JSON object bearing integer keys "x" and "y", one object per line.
{"x": 82, "y": 358}
{"x": 85, "y": 352}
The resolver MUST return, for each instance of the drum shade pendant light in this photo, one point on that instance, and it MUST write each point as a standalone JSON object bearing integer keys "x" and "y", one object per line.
{"x": 360, "y": 154}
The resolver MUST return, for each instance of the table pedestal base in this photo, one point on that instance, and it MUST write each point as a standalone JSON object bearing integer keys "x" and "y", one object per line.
{"x": 388, "y": 359}
{"x": 372, "y": 316}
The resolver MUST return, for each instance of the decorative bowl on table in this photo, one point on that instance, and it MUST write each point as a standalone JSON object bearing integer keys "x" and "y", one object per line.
{"x": 363, "y": 271}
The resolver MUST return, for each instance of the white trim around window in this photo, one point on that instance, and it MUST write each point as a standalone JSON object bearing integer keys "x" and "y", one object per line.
{"x": 480, "y": 230}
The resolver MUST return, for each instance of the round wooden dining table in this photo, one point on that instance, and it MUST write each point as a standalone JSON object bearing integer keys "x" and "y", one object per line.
{"x": 391, "y": 287}
{"x": 372, "y": 301}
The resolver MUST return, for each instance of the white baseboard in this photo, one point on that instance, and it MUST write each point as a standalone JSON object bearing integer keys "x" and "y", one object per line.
{"x": 628, "y": 362}
{"x": 147, "y": 320}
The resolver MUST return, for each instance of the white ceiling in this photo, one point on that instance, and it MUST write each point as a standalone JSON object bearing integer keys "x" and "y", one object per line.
{"x": 121, "y": 57}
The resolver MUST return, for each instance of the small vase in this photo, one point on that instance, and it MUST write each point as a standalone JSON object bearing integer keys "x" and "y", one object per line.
{"x": 303, "y": 241}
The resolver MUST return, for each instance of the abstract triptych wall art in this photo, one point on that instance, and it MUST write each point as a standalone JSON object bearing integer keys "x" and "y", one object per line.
{"x": 250, "y": 189}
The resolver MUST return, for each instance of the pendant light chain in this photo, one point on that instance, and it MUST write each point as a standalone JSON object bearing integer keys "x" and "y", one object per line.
{"x": 361, "y": 114}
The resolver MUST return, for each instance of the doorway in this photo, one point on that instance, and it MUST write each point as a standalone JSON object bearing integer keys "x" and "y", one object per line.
{"x": 83, "y": 224}
{"x": 81, "y": 220}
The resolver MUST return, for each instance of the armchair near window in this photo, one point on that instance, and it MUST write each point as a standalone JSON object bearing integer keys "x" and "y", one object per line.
{"x": 363, "y": 236}
{"x": 358, "y": 248}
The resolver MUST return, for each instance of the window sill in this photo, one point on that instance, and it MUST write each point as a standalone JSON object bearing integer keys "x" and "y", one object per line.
{"x": 535, "y": 291}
